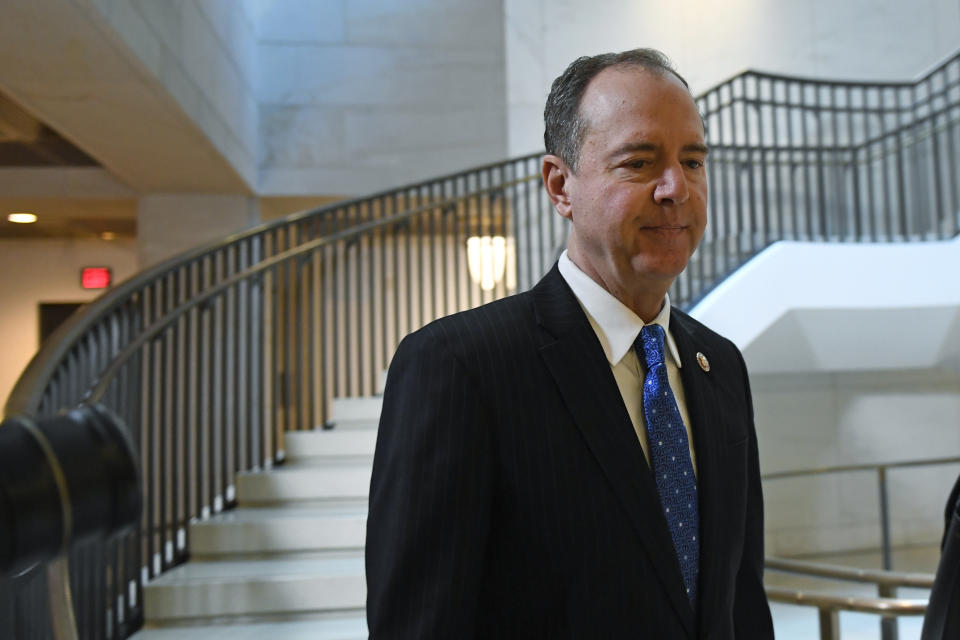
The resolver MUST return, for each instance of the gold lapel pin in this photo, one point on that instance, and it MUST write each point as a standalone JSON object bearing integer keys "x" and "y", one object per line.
{"x": 702, "y": 361}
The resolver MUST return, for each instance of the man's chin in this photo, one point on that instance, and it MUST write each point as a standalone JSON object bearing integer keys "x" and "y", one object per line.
{"x": 662, "y": 269}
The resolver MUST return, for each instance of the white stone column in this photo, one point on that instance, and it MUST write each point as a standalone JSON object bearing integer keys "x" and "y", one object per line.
{"x": 169, "y": 223}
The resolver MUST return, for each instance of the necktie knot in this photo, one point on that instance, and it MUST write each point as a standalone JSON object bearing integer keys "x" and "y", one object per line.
{"x": 652, "y": 336}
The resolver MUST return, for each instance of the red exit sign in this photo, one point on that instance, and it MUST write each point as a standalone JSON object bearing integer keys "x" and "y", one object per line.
{"x": 95, "y": 277}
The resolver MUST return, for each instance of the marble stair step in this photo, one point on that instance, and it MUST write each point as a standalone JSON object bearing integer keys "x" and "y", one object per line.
{"x": 356, "y": 413}
{"x": 339, "y": 628}
{"x": 285, "y": 529}
{"x": 335, "y": 479}
{"x": 320, "y": 444}
{"x": 249, "y": 588}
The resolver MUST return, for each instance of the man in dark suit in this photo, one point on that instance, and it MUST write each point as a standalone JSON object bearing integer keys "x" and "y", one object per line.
{"x": 942, "y": 621}
{"x": 579, "y": 461}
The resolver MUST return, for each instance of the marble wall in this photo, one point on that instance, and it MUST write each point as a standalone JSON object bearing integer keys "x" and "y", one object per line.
{"x": 362, "y": 95}
{"x": 171, "y": 223}
{"x": 342, "y": 98}
{"x": 808, "y": 421}
{"x": 203, "y": 52}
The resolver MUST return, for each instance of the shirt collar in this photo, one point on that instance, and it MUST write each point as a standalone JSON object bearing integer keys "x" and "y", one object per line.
{"x": 616, "y": 325}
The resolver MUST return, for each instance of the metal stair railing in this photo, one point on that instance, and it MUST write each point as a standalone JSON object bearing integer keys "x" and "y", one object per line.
{"x": 886, "y": 604}
{"x": 825, "y": 161}
{"x": 829, "y": 606}
{"x": 210, "y": 357}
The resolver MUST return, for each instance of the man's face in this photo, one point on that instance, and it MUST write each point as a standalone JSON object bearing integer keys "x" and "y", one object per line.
{"x": 638, "y": 200}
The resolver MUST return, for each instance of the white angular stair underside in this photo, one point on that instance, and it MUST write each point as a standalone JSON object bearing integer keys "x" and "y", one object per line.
{"x": 288, "y": 562}
{"x": 804, "y": 307}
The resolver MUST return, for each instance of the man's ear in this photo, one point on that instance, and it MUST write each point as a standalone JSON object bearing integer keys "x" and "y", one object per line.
{"x": 556, "y": 180}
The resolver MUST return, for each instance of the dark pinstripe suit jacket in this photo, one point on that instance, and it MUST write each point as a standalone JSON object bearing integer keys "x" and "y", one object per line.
{"x": 511, "y": 499}
{"x": 942, "y": 620}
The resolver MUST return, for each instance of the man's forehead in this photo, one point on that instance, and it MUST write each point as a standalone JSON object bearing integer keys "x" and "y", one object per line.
{"x": 617, "y": 88}
{"x": 626, "y": 77}
{"x": 636, "y": 90}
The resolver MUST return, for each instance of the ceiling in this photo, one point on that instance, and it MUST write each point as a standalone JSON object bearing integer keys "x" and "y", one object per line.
{"x": 59, "y": 217}
{"x": 26, "y": 142}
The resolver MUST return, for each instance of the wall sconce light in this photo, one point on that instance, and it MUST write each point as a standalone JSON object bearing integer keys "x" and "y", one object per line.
{"x": 22, "y": 218}
{"x": 487, "y": 259}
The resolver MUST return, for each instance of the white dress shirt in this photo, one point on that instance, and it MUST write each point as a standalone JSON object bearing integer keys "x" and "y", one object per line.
{"x": 617, "y": 327}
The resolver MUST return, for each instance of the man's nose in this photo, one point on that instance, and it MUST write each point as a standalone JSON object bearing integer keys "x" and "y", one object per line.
{"x": 672, "y": 186}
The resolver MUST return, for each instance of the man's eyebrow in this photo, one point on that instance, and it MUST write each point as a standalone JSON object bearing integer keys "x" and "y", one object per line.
{"x": 633, "y": 147}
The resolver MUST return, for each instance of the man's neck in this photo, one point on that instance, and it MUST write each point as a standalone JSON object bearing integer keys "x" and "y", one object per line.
{"x": 645, "y": 298}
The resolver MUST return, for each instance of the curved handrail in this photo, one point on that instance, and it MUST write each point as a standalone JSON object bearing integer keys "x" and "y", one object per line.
{"x": 827, "y": 602}
{"x": 885, "y": 580}
{"x": 881, "y": 469}
{"x": 874, "y": 466}
{"x": 96, "y": 392}
{"x": 932, "y": 70}
{"x": 852, "y": 574}
{"x": 24, "y": 398}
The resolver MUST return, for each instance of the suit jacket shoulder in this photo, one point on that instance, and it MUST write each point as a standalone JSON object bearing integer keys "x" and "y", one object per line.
{"x": 478, "y": 330}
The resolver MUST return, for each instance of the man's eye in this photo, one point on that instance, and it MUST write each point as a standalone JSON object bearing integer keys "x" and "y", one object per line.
{"x": 694, "y": 164}
{"x": 638, "y": 164}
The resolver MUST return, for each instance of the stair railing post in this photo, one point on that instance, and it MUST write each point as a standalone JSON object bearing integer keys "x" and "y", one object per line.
{"x": 888, "y": 626}
{"x": 829, "y": 624}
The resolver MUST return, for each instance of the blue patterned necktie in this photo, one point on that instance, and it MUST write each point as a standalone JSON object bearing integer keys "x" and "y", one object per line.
{"x": 670, "y": 457}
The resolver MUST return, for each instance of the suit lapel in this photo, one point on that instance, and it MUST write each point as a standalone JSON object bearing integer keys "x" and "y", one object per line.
{"x": 575, "y": 359}
{"x": 709, "y": 444}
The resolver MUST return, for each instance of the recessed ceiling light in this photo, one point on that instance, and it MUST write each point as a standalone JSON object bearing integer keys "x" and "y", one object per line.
{"x": 22, "y": 218}
{"x": 108, "y": 235}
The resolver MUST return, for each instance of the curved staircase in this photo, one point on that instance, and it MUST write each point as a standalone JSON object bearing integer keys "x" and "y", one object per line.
{"x": 288, "y": 561}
